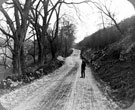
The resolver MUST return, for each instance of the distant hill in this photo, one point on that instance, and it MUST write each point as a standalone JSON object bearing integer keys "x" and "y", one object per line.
{"x": 104, "y": 37}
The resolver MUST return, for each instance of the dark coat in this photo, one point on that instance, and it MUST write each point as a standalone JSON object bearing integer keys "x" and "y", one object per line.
{"x": 83, "y": 65}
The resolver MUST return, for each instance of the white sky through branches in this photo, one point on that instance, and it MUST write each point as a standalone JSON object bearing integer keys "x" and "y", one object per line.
{"x": 88, "y": 18}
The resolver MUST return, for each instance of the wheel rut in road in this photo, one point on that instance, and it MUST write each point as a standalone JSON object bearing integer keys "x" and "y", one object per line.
{"x": 57, "y": 97}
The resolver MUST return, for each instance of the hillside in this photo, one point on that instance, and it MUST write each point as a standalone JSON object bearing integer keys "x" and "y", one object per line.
{"x": 112, "y": 59}
{"x": 107, "y": 36}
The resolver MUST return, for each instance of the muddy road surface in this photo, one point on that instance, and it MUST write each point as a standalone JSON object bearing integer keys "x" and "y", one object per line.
{"x": 61, "y": 90}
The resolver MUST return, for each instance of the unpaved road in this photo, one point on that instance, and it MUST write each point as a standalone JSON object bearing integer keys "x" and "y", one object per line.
{"x": 61, "y": 90}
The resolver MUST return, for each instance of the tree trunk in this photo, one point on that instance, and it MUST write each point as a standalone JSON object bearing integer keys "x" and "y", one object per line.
{"x": 22, "y": 57}
{"x": 41, "y": 54}
{"x": 52, "y": 50}
{"x": 17, "y": 59}
{"x": 65, "y": 47}
{"x": 34, "y": 56}
{"x": 42, "y": 48}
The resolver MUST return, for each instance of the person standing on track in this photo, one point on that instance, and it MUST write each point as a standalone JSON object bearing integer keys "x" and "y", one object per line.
{"x": 83, "y": 65}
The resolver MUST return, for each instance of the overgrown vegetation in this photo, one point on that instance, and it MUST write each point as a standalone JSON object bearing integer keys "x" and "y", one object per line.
{"x": 34, "y": 72}
{"x": 112, "y": 58}
{"x": 30, "y": 32}
{"x": 104, "y": 37}
{"x": 33, "y": 36}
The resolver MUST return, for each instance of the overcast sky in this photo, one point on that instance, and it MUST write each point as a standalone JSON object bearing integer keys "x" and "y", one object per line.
{"x": 87, "y": 18}
{"x": 90, "y": 18}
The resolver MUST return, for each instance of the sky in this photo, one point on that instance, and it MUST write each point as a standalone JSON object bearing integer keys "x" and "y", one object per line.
{"x": 88, "y": 19}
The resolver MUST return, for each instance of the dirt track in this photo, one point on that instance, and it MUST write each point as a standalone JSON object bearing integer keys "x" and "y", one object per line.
{"x": 62, "y": 90}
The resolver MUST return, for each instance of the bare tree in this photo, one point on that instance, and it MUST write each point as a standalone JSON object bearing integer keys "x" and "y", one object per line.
{"x": 47, "y": 8}
{"x": 67, "y": 32}
{"x": 44, "y": 11}
{"x": 54, "y": 33}
{"x": 103, "y": 22}
{"x": 18, "y": 27}
{"x": 105, "y": 9}
{"x": 6, "y": 48}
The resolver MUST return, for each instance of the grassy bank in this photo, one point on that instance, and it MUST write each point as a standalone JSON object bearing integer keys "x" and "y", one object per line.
{"x": 115, "y": 72}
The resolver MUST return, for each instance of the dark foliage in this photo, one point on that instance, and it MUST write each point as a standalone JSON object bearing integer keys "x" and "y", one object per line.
{"x": 116, "y": 73}
{"x": 113, "y": 64}
{"x": 105, "y": 37}
{"x": 16, "y": 80}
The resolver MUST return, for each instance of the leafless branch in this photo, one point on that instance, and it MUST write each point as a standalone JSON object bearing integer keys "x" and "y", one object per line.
{"x": 105, "y": 10}
{"x": 77, "y": 3}
{"x": 77, "y": 12}
{"x": 30, "y": 36}
{"x": 6, "y": 55}
{"x": 4, "y": 32}
{"x": 9, "y": 21}
{"x": 17, "y": 4}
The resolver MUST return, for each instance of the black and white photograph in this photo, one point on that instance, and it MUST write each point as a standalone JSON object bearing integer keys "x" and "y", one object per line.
{"x": 67, "y": 54}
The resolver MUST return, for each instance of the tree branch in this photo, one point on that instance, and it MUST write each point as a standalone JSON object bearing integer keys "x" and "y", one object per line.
{"x": 7, "y": 34}
{"x": 6, "y": 55}
{"x": 103, "y": 8}
{"x": 9, "y": 21}
{"x": 17, "y": 5}
{"x": 69, "y": 3}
